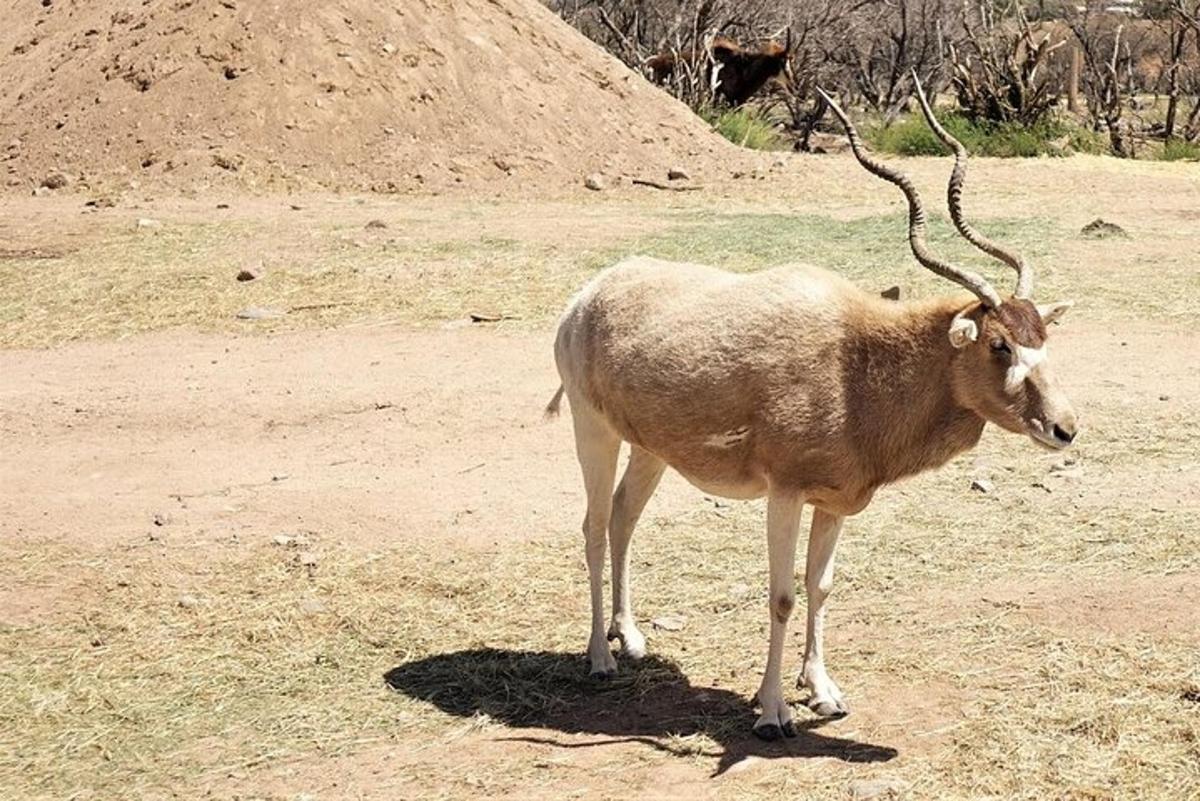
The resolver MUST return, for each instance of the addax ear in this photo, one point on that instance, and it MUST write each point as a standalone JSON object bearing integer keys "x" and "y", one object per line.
{"x": 963, "y": 331}
{"x": 1052, "y": 311}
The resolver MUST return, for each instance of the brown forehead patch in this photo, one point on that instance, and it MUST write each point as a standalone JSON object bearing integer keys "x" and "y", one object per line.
{"x": 1022, "y": 321}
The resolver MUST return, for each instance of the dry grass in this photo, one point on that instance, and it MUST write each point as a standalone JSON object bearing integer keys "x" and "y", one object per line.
{"x": 135, "y": 693}
{"x": 441, "y": 261}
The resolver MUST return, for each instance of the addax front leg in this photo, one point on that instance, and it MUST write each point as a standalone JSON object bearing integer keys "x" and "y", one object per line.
{"x": 783, "y": 526}
{"x": 826, "y": 699}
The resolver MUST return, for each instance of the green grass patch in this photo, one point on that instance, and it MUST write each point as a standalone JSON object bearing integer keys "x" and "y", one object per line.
{"x": 871, "y": 251}
{"x": 744, "y": 127}
{"x": 911, "y": 136}
{"x": 1179, "y": 150}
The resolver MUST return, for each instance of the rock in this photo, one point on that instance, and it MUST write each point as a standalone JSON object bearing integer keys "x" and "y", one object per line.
{"x": 232, "y": 163}
{"x": 307, "y": 559}
{"x": 389, "y": 48}
{"x": 283, "y": 540}
{"x": 596, "y": 182}
{"x": 864, "y": 789}
{"x": 38, "y": 191}
{"x": 669, "y": 623}
{"x": 146, "y": 223}
{"x": 678, "y": 174}
{"x": 189, "y": 601}
{"x": 1064, "y": 464}
{"x": 55, "y": 180}
{"x": 249, "y": 274}
{"x": 1102, "y": 229}
{"x": 891, "y": 293}
{"x": 983, "y": 485}
{"x": 161, "y": 519}
{"x": 1164, "y": 397}
{"x": 744, "y": 764}
{"x": 375, "y": 224}
{"x": 259, "y": 313}
{"x": 313, "y": 606}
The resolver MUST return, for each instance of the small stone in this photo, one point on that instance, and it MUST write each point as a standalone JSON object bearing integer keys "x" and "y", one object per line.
{"x": 376, "y": 224}
{"x": 891, "y": 293}
{"x": 249, "y": 274}
{"x": 739, "y": 590}
{"x": 744, "y": 764}
{"x": 678, "y": 174}
{"x": 865, "y": 789}
{"x": 312, "y": 606}
{"x": 161, "y": 519}
{"x": 189, "y": 601}
{"x": 1164, "y": 397}
{"x": 983, "y": 485}
{"x": 1102, "y": 229}
{"x": 259, "y": 313}
{"x": 232, "y": 163}
{"x": 389, "y": 48}
{"x": 283, "y": 540}
{"x": 39, "y": 191}
{"x": 595, "y": 182}
{"x": 669, "y": 623}
{"x": 1064, "y": 464}
{"x": 1069, "y": 472}
{"x": 146, "y": 223}
{"x": 55, "y": 180}
{"x": 307, "y": 559}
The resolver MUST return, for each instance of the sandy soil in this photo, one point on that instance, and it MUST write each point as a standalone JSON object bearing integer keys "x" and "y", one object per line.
{"x": 383, "y": 434}
{"x": 393, "y": 97}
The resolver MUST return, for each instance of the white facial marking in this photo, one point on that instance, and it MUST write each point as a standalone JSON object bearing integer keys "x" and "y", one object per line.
{"x": 727, "y": 439}
{"x": 1027, "y": 360}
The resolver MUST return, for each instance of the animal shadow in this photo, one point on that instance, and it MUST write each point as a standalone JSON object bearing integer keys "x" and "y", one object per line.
{"x": 650, "y": 702}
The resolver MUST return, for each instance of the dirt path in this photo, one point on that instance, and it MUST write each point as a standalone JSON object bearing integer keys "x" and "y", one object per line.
{"x": 421, "y": 433}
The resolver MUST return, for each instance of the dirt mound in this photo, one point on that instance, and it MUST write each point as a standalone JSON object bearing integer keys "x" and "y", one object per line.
{"x": 406, "y": 95}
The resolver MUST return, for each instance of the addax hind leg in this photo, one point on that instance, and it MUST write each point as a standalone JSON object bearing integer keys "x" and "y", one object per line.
{"x": 596, "y": 445}
{"x": 642, "y": 475}
{"x": 826, "y": 698}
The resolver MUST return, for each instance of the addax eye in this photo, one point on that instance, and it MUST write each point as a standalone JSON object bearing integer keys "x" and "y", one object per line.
{"x": 1000, "y": 346}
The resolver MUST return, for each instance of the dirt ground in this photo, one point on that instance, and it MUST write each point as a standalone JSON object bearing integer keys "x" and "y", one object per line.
{"x": 337, "y": 555}
{"x": 410, "y": 97}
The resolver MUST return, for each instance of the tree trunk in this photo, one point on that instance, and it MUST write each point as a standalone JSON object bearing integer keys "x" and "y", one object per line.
{"x": 1073, "y": 79}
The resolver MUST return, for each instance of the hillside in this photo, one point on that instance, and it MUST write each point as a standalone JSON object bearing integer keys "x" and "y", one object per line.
{"x": 394, "y": 97}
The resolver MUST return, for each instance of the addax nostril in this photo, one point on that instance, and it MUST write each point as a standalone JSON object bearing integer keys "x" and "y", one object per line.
{"x": 1062, "y": 434}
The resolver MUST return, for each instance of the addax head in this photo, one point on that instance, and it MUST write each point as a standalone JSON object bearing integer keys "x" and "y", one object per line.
{"x": 1003, "y": 371}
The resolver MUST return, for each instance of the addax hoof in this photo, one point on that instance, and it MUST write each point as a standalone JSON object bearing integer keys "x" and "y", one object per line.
{"x": 829, "y": 709}
{"x": 768, "y": 731}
